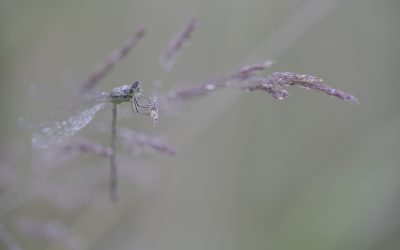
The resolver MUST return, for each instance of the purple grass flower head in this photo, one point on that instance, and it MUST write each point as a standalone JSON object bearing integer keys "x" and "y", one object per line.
{"x": 106, "y": 66}
{"x": 175, "y": 46}
{"x": 85, "y": 147}
{"x": 309, "y": 82}
{"x": 250, "y": 78}
{"x": 137, "y": 142}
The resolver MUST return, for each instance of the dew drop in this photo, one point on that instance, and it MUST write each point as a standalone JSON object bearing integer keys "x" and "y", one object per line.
{"x": 46, "y": 130}
{"x": 210, "y": 87}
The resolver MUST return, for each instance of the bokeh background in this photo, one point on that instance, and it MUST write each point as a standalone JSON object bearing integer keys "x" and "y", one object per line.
{"x": 252, "y": 172}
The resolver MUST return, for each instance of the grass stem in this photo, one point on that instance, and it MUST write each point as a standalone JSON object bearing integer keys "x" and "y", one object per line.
{"x": 113, "y": 164}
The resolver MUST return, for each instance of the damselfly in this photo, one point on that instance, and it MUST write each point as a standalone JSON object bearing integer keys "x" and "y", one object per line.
{"x": 57, "y": 130}
{"x": 54, "y": 132}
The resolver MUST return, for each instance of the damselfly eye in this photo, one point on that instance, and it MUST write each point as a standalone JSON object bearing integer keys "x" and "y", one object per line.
{"x": 135, "y": 88}
{"x": 135, "y": 85}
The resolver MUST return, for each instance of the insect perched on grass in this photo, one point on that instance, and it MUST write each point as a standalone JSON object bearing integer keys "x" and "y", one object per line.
{"x": 119, "y": 95}
{"x": 50, "y": 133}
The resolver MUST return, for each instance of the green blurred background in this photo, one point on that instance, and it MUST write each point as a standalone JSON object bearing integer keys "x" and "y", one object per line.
{"x": 252, "y": 172}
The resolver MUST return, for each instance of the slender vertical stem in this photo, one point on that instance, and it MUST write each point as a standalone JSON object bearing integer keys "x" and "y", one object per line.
{"x": 113, "y": 164}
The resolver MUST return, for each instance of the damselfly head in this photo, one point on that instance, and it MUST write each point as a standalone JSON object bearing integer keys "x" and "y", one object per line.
{"x": 136, "y": 89}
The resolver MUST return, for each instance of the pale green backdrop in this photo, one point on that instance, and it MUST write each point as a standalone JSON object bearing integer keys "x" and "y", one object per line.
{"x": 251, "y": 172}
